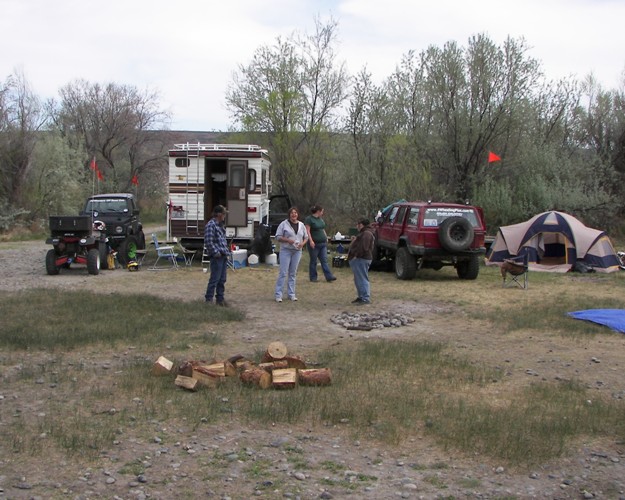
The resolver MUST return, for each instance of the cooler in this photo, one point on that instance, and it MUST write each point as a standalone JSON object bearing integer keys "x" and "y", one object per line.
{"x": 239, "y": 258}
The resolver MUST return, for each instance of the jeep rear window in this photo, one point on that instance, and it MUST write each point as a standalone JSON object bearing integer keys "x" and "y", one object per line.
{"x": 434, "y": 217}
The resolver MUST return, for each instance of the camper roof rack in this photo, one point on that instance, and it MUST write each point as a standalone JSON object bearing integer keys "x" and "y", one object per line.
{"x": 217, "y": 147}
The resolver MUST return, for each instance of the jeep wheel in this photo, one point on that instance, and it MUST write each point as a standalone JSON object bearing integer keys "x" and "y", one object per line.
{"x": 455, "y": 234}
{"x": 405, "y": 264}
{"x": 51, "y": 267}
{"x": 468, "y": 269}
{"x": 93, "y": 261}
{"x": 128, "y": 250}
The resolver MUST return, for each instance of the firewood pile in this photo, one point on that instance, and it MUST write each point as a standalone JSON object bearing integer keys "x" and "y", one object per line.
{"x": 371, "y": 321}
{"x": 277, "y": 369}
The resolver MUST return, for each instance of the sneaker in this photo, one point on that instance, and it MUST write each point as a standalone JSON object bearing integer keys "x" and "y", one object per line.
{"x": 331, "y": 278}
{"x": 223, "y": 303}
{"x": 363, "y": 302}
{"x": 278, "y": 299}
{"x": 314, "y": 281}
{"x": 293, "y": 299}
{"x": 357, "y": 300}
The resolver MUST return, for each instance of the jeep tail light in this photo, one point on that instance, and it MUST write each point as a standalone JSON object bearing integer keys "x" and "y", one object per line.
{"x": 251, "y": 209}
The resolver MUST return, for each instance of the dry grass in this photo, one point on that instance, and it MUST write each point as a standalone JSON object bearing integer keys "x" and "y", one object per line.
{"x": 384, "y": 389}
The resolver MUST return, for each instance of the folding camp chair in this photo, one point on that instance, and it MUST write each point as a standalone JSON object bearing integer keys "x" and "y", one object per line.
{"x": 514, "y": 272}
{"x": 188, "y": 255}
{"x": 165, "y": 252}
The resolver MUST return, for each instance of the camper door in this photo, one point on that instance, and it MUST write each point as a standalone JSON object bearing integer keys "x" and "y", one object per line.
{"x": 236, "y": 193}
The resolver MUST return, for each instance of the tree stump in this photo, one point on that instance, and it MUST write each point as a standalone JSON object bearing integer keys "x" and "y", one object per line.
{"x": 315, "y": 376}
{"x": 275, "y": 350}
{"x": 256, "y": 376}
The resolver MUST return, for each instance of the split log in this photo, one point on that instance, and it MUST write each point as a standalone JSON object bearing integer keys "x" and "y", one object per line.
{"x": 186, "y": 382}
{"x": 162, "y": 366}
{"x": 206, "y": 377}
{"x": 236, "y": 358}
{"x": 256, "y": 376}
{"x": 244, "y": 365}
{"x": 275, "y": 350}
{"x": 315, "y": 376}
{"x": 273, "y": 365}
{"x": 295, "y": 362}
{"x": 222, "y": 368}
{"x": 285, "y": 378}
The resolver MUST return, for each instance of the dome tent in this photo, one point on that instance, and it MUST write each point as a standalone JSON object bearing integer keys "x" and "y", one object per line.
{"x": 553, "y": 242}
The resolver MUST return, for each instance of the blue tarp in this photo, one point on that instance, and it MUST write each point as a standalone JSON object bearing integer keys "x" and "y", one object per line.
{"x": 614, "y": 318}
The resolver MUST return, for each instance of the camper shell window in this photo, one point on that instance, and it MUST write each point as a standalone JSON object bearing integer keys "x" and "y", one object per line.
{"x": 182, "y": 162}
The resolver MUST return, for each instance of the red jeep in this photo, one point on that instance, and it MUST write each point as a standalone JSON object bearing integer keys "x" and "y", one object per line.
{"x": 420, "y": 234}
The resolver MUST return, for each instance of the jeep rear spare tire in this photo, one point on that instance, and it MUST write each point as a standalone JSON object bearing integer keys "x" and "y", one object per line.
{"x": 456, "y": 234}
{"x": 405, "y": 264}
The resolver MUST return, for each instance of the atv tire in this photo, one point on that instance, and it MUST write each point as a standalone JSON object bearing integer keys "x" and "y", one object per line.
{"x": 51, "y": 267}
{"x": 93, "y": 261}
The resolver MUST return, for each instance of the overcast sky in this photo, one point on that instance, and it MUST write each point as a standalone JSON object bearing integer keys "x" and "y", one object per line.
{"x": 187, "y": 50}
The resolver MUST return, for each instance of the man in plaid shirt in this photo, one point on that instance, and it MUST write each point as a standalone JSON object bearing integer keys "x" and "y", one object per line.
{"x": 216, "y": 248}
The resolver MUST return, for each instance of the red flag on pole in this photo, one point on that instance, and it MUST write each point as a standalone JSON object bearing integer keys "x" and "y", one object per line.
{"x": 93, "y": 165}
{"x": 493, "y": 157}
{"x": 135, "y": 180}
{"x": 100, "y": 176}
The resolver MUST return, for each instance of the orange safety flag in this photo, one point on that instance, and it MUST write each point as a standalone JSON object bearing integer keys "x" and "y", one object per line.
{"x": 93, "y": 165}
{"x": 100, "y": 176}
{"x": 493, "y": 157}
{"x": 135, "y": 180}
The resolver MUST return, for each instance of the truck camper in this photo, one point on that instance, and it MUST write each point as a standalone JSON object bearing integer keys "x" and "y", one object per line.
{"x": 237, "y": 176}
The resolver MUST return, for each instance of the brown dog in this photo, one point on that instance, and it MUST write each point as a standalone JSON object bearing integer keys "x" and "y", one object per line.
{"x": 512, "y": 267}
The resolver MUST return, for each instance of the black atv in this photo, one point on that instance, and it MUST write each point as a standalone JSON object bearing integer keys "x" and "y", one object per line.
{"x": 75, "y": 241}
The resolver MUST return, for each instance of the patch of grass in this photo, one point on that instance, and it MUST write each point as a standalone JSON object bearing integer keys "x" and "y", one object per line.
{"x": 40, "y": 320}
{"x": 550, "y": 313}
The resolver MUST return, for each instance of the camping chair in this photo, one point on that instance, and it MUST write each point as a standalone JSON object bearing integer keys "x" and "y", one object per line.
{"x": 188, "y": 255}
{"x": 514, "y": 272}
{"x": 166, "y": 252}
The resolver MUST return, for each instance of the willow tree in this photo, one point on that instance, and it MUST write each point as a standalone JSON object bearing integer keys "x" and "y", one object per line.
{"x": 289, "y": 96}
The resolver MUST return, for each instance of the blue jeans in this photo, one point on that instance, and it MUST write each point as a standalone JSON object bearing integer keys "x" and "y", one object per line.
{"x": 360, "y": 268}
{"x": 289, "y": 261}
{"x": 217, "y": 281}
{"x": 319, "y": 252}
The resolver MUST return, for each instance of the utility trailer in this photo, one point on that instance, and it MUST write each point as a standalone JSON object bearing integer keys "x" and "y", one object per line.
{"x": 237, "y": 176}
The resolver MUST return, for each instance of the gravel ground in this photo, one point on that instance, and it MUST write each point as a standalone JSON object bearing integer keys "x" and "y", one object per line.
{"x": 184, "y": 461}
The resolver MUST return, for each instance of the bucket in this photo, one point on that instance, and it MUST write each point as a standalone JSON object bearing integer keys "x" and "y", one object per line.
{"x": 252, "y": 260}
{"x": 271, "y": 259}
